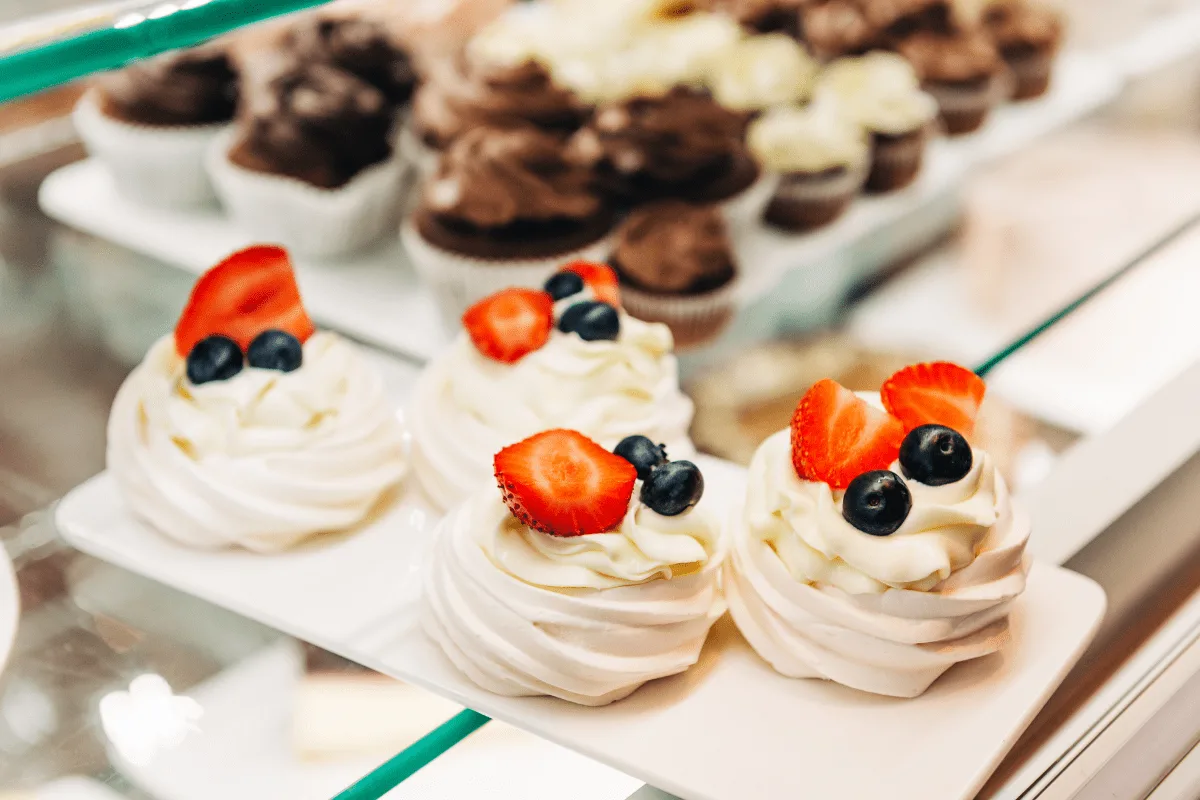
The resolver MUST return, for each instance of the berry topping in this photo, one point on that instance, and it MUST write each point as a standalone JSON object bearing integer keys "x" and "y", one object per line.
{"x": 593, "y": 321}
{"x": 275, "y": 350}
{"x": 935, "y": 455}
{"x": 643, "y": 453}
{"x": 249, "y": 292}
{"x": 511, "y": 324}
{"x": 214, "y": 358}
{"x": 934, "y": 394}
{"x": 876, "y": 502}
{"x": 600, "y": 278}
{"x": 562, "y": 483}
{"x": 673, "y": 488}
{"x": 836, "y": 436}
{"x": 563, "y": 284}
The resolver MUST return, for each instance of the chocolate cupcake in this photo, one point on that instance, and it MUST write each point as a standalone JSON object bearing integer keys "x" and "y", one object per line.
{"x": 464, "y": 93}
{"x": 358, "y": 46}
{"x": 964, "y": 73}
{"x": 763, "y": 16}
{"x": 1028, "y": 37}
{"x": 504, "y": 207}
{"x": 881, "y": 92}
{"x": 822, "y": 157}
{"x": 152, "y": 122}
{"x": 837, "y": 28}
{"x": 681, "y": 145}
{"x": 676, "y": 266}
{"x": 311, "y": 163}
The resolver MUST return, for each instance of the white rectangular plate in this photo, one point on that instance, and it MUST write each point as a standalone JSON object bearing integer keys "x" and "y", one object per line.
{"x": 729, "y": 729}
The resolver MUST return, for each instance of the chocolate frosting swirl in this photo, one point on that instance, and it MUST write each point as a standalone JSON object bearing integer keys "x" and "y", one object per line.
{"x": 191, "y": 87}
{"x": 316, "y": 123}
{"x": 1020, "y": 27}
{"x": 463, "y": 93}
{"x": 674, "y": 247}
{"x": 358, "y": 46}
{"x": 958, "y": 58}
{"x": 494, "y": 177}
{"x": 838, "y": 28}
{"x": 665, "y": 140}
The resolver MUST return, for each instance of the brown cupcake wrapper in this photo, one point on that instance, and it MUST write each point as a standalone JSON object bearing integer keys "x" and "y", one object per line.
{"x": 693, "y": 319}
{"x": 1031, "y": 75}
{"x": 964, "y": 110}
{"x": 895, "y": 162}
{"x": 457, "y": 281}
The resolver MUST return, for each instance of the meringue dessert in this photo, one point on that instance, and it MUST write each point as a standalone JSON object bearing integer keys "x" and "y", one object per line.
{"x": 877, "y": 548}
{"x": 529, "y": 360}
{"x": 247, "y": 427}
{"x": 582, "y": 575}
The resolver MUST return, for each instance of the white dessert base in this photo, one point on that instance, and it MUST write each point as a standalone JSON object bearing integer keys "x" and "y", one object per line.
{"x": 729, "y": 729}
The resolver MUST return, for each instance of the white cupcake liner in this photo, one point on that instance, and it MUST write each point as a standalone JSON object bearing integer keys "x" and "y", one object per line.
{"x": 693, "y": 319}
{"x": 151, "y": 165}
{"x": 746, "y": 207}
{"x": 310, "y": 221}
{"x": 458, "y": 281}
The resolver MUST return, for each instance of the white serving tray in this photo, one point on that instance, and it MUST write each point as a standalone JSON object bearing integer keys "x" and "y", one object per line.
{"x": 10, "y": 607}
{"x": 376, "y": 298}
{"x": 729, "y": 729}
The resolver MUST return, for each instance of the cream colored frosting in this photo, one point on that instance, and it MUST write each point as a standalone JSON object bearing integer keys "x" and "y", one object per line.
{"x": 763, "y": 71}
{"x": 880, "y": 91}
{"x": 816, "y": 597}
{"x": 262, "y": 460}
{"x": 812, "y": 139}
{"x": 467, "y": 407}
{"x": 587, "y": 619}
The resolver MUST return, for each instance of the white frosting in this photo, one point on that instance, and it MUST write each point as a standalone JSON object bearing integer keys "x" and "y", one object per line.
{"x": 586, "y": 619}
{"x": 468, "y": 407}
{"x": 812, "y": 139}
{"x": 880, "y": 91}
{"x": 763, "y": 71}
{"x": 262, "y": 460}
{"x": 816, "y": 597}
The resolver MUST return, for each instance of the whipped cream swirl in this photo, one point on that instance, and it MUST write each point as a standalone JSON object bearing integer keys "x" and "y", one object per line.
{"x": 816, "y": 597}
{"x": 880, "y": 91}
{"x": 587, "y": 619}
{"x": 468, "y": 407}
{"x": 262, "y": 460}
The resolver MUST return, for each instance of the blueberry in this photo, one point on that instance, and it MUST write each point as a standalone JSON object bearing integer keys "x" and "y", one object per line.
{"x": 673, "y": 488}
{"x": 563, "y": 284}
{"x": 876, "y": 502}
{"x": 592, "y": 320}
{"x": 642, "y": 453}
{"x": 935, "y": 455}
{"x": 275, "y": 350}
{"x": 214, "y": 358}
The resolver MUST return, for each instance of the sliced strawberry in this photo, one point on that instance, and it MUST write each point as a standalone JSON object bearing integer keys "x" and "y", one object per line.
{"x": 600, "y": 278}
{"x": 509, "y": 325}
{"x": 249, "y": 292}
{"x": 562, "y": 483}
{"x": 939, "y": 393}
{"x": 836, "y": 436}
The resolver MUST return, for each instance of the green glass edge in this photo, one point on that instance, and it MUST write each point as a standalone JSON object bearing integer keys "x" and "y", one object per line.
{"x": 29, "y": 71}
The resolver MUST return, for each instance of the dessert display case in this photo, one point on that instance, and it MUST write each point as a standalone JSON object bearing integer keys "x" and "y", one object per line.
{"x": 1049, "y": 251}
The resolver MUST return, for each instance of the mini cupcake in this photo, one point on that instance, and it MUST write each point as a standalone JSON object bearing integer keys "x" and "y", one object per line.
{"x": 152, "y": 122}
{"x": 761, "y": 72}
{"x": 898, "y": 19}
{"x": 504, "y": 208}
{"x": 676, "y": 266}
{"x": 1028, "y": 36}
{"x": 877, "y": 548}
{"x": 529, "y": 360}
{"x": 248, "y": 428}
{"x": 358, "y": 46}
{"x": 964, "y": 73}
{"x": 680, "y": 145}
{"x": 881, "y": 92}
{"x": 582, "y": 576}
{"x": 475, "y": 90}
{"x": 311, "y": 163}
{"x": 836, "y": 28}
{"x": 822, "y": 156}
